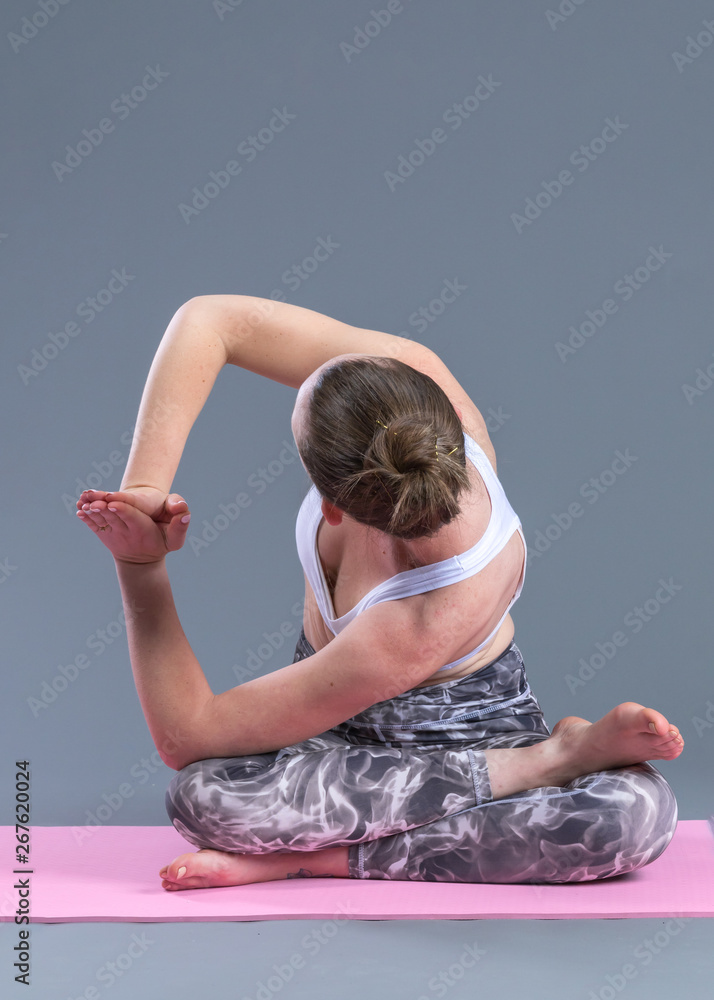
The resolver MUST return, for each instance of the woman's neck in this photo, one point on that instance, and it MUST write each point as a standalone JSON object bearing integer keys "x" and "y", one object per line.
{"x": 451, "y": 539}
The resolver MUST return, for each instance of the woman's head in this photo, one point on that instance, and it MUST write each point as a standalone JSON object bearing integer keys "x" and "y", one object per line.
{"x": 383, "y": 443}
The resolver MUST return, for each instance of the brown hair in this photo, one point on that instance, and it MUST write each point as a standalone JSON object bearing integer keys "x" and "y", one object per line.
{"x": 383, "y": 443}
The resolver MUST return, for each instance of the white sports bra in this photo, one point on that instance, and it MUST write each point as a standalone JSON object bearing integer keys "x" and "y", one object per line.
{"x": 503, "y": 522}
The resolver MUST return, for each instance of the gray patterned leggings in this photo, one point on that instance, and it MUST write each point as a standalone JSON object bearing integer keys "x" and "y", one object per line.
{"x": 404, "y": 785}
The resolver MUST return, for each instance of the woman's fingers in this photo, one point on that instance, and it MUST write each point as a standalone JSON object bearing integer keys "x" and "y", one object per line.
{"x": 158, "y": 506}
{"x": 96, "y": 522}
{"x": 86, "y": 497}
{"x": 175, "y": 504}
{"x": 148, "y": 502}
{"x": 94, "y": 513}
{"x": 128, "y": 533}
{"x": 89, "y": 521}
{"x": 177, "y": 529}
{"x": 124, "y": 496}
{"x": 125, "y": 531}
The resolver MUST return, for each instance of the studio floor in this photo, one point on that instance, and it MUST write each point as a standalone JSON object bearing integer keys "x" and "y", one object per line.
{"x": 401, "y": 960}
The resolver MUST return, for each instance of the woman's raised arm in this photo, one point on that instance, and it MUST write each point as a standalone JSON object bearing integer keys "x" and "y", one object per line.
{"x": 286, "y": 343}
{"x": 280, "y": 341}
{"x": 182, "y": 374}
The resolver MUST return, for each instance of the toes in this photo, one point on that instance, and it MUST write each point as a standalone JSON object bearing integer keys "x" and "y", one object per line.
{"x": 176, "y": 870}
{"x": 668, "y": 730}
{"x": 174, "y": 874}
{"x": 656, "y": 723}
{"x": 670, "y": 742}
{"x": 168, "y": 883}
{"x": 671, "y": 749}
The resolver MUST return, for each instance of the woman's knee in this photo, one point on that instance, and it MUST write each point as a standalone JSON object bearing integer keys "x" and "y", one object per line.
{"x": 638, "y": 812}
{"x": 183, "y": 796}
{"x": 654, "y": 814}
{"x": 229, "y": 804}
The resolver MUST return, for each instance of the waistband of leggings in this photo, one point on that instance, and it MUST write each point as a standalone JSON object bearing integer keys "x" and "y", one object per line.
{"x": 510, "y": 648}
{"x": 307, "y": 650}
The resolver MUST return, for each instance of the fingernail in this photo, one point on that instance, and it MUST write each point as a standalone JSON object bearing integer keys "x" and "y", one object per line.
{"x": 181, "y": 872}
{"x": 653, "y": 727}
{"x": 185, "y": 519}
{"x": 112, "y": 508}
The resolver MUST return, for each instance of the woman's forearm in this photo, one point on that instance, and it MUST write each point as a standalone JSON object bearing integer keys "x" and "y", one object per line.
{"x": 171, "y": 685}
{"x": 183, "y": 372}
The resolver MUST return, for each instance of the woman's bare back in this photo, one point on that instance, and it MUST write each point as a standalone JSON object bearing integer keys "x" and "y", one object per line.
{"x": 355, "y": 559}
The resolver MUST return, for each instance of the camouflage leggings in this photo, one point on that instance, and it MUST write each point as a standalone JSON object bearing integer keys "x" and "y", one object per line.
{"x": 405, "y": 786}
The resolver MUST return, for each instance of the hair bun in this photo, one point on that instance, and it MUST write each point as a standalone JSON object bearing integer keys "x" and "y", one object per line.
{"x": 385, "y": 445}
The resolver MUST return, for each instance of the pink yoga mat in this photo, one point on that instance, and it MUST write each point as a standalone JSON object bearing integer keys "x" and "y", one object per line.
{"x": 111, "y": 874}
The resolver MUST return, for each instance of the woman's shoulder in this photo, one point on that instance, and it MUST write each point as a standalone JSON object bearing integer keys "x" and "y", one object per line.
{"x": 472, "y": 420}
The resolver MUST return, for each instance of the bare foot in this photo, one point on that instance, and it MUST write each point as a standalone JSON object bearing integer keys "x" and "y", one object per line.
{"x": 622, "y": 737}
{"x": 208, "y": 868}
{"x": 628, "y": 734}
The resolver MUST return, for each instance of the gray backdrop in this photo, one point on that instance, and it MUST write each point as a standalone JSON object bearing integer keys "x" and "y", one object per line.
{"x": 568, "y": 202}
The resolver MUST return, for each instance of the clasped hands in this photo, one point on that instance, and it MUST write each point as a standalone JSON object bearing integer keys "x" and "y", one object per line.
{"x": 139, "y": 524}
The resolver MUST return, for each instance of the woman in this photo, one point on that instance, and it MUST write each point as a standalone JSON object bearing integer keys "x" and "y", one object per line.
{"x": 403, "y": 742}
